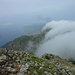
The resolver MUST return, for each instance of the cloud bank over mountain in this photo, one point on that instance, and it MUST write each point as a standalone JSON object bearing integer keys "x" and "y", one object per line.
{"x": 60, "y": 40}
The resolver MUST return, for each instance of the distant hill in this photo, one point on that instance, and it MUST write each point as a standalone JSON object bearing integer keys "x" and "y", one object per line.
{"x": 26, "y": 43}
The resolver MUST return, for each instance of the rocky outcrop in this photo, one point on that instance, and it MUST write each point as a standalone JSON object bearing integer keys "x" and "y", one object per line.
{"x": 21, "y": 63}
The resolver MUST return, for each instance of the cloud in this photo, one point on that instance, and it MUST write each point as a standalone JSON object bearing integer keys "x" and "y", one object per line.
{"x": 60, "y": 40}
{"x": 6, "y": 24}
{"x": 46, "y": 7}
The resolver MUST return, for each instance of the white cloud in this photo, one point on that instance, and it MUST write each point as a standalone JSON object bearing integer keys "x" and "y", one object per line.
{"x": 60, "y": 40}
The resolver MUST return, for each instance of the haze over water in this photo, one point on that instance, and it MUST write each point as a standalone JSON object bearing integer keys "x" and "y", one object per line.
{"x": 20, "y": 17}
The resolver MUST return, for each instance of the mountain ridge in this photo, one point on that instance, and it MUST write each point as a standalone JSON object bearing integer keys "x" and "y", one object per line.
{"x": 23, "y": 42}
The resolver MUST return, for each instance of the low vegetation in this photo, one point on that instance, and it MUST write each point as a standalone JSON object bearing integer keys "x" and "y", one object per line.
{"x": 14, "y": 62}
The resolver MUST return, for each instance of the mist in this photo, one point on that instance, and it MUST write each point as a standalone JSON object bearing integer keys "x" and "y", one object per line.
{"x": 14, "y": 28}
{"x": 20, "y": 17}
{"x": 60, "y": 40}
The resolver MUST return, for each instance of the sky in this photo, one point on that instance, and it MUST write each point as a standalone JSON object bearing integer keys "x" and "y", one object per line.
{"x": 19, "y": 17}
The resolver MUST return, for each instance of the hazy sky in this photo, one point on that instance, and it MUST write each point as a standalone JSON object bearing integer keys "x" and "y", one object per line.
{"x": 51, "y": 8}
{"x": 16, "y": 15}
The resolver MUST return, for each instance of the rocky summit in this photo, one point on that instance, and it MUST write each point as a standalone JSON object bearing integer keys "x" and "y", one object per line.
{"x": 14, "y": 62}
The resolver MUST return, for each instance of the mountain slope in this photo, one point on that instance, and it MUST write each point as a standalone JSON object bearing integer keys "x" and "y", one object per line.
{"x": 27, "y": 43}
{"x": 21, "y": 63}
